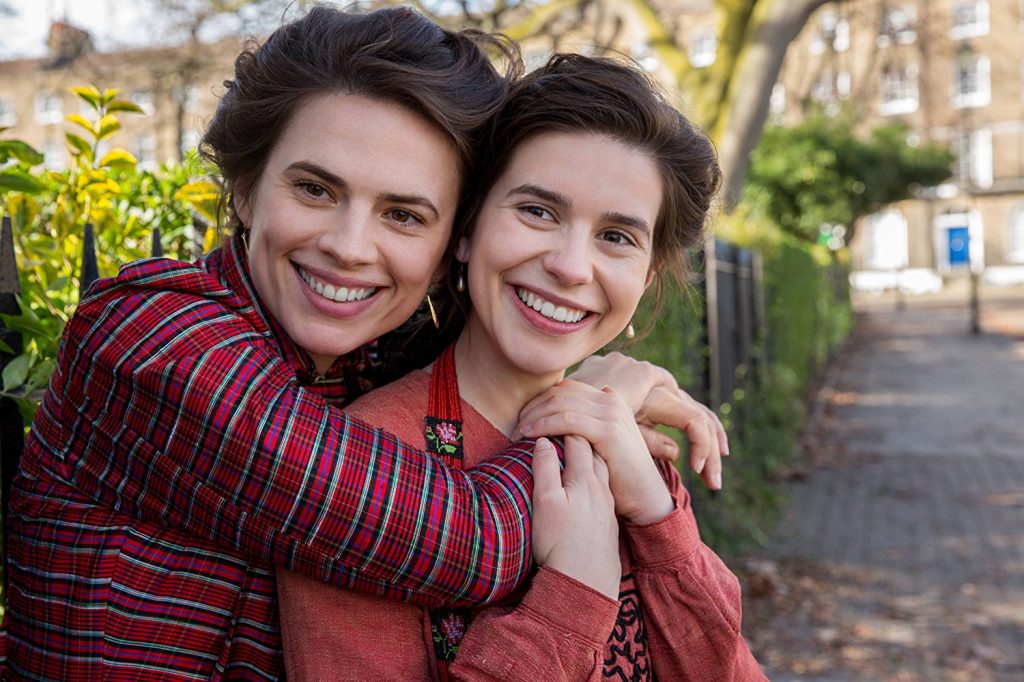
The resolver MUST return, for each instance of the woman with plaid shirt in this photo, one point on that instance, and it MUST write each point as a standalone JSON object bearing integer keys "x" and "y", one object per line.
{"x": 192, "y": 436}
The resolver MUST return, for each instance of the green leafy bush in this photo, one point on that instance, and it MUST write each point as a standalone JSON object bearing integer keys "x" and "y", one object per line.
{"x": 49, "y": 210}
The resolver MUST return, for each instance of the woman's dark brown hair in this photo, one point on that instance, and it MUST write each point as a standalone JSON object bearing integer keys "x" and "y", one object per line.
{"x": 577, "y": 94}
{"x": 393, "y": 54}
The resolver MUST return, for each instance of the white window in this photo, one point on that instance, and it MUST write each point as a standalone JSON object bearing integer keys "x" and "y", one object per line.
{"x": 1015, "y": 252}
{"x": 830, "y": 87}
{"x": 899, "y": 90}
{"x": 972, "y": 85}
{"x": 886, "y": 241}
{"x": 777, "y": 102}
{"x": 534, "y": 59}
{"x": 49, "y": 108}
{"x": 144, "y": 148}
{"x": 190, "y": 139}
{"x": 54, "y": 155}
{"x": 899, "y": 25}
{"x": 702, "y": 48}
{"x": 7, "y": 116}
{"x": 144, "y": 99}
{"x": 970, "y": 19}
{"x": 974, "y": 158}
{"x": 832, "y": 32}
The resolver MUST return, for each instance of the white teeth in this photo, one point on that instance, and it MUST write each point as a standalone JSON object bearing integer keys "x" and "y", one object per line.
{"x": 341, "y": 294}
{"x": 548, "y": 309}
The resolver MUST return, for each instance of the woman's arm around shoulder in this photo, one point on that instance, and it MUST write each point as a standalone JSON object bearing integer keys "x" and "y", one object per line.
{"x": 174, "y": 407}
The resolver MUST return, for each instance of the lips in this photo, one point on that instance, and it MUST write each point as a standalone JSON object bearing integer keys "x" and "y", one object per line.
{"x": 337, "y": 294}
{"x": 549, "y": 309}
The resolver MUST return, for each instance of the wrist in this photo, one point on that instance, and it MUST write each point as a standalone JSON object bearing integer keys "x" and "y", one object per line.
{"x": 655, "y": 508}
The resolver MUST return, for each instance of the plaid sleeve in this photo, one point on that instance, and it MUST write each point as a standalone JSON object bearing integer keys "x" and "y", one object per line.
{"x": 176, "y": 411}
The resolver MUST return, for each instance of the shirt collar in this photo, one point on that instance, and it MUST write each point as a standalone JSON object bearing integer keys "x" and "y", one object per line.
{"x": 230, "y": 264}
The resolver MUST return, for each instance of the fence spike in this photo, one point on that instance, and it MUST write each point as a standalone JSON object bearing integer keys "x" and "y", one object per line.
{"x": 90, "y": 270}
{"x": 9, "y": 282}
{"x": 158, "y": 248}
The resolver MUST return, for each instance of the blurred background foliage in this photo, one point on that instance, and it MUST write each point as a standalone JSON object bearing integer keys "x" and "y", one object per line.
{"x": 785, "y": 196}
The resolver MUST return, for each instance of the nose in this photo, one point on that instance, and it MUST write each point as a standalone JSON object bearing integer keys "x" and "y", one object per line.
{"x": 350, "y": 237}
{"x": 569, "y": 259}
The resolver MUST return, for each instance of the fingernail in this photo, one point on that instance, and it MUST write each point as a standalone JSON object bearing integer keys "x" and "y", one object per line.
{"x": 544, "y": 444}
{"x": 671, "y": 449}
{"x": 700, "y": 466}
{"x": 716, "y": 480}
{"x": 526, "y": 429}
{"x": 725, "y": 451}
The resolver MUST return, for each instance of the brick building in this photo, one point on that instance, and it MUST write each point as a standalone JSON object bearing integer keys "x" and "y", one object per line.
{"x": 177, "y": 87}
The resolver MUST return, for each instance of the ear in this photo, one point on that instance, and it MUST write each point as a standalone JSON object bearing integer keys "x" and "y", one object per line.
{"x": 651, "y": 274}
{"x": 242, "y": 199}
{"x": 462, "y": 252}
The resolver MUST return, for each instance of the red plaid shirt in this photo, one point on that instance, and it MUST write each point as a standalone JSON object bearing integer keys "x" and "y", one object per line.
{"x": 177, "y": 457}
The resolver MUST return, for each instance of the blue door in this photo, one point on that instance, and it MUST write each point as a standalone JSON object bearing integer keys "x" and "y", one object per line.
{"x": 959, "y": 247}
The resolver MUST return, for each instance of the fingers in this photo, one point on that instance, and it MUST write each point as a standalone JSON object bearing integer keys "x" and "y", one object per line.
{"x": 601, "y": 471}
{"x": 660, "y": 445}
{"x": 578, "y": 459}
{"x": 547, "y": 479}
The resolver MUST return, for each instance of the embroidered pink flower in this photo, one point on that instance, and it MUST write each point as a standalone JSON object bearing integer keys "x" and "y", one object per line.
{"x": 447, "y": 433}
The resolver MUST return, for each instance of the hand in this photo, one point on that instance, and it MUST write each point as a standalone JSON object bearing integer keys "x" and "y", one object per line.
{"x": 574, "y": 527}
{"x": 607, "y": 423}
{"x": 655, "y": 398}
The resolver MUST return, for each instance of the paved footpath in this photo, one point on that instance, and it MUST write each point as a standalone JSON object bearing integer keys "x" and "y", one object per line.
{"x": 901, "y": 551}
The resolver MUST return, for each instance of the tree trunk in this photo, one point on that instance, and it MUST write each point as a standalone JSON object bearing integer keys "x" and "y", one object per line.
{"x": 756, "y": 72}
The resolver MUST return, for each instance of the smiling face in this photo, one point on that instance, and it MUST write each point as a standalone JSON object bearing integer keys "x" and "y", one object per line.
{"x": 561, "y": 251}
{"x": 348, "y": 221}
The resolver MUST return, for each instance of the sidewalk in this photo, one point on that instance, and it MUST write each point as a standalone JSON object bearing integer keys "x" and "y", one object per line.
{"x": 901, "y": 553}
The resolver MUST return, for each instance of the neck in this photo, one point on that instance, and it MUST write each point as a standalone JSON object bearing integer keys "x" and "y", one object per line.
{"x": 489, "y": 382}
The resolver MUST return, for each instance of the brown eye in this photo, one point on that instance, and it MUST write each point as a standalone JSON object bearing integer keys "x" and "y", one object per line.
{"x": 403, "y": 217}
{"x": 315, "y": 190}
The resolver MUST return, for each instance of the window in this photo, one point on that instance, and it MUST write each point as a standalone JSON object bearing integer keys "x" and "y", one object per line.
{"x": 832, "y": 32}
{"x": 145, "y": 151}
{"x": 974, "y": 158}
{"x": 971, "y": 85}
{"x": 887, "y": 243}
{"x": 899, "y": 90}
{"x": 7, "y": 116}
{"x": 702, "y": 48}
{"x": 829, "y": 88}
{"x": 189, "y": 141}
{"x": 49, "y": 108}
{"x": 143, "y": 98}
{"x": 777, "y": 102}
{"x": 970, "y": 19}
{"x": 53, "y": 155}
{"x": 898, "y": 26}
{"x": 1015, "y": 252}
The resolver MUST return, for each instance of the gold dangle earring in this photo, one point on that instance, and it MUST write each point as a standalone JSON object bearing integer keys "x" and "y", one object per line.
{"x": 630, "y": 332}
{"x": 460, "y": 282}
{"x": 433, "y": 313}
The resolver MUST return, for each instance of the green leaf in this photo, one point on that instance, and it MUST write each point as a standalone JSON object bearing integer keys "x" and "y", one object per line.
{"x": 109, "y": 94}
{"x": 25, "y": 323}
{"x": 124, "y": 105}
{"x": 118, "y": 158}
{"x": 20, "y": 181}
{"x": 27, "y": 407}
{"x": 16, "y": 372}
{"x": 19, "y": 150}
{"x": 40, "y": 374}
{"x": 90, "y": 94}
{"x": 4, "y": 348}
{"x": 80, "y": 145}
{"x": 108, "y": 126}
{"x": 82, "y": 121}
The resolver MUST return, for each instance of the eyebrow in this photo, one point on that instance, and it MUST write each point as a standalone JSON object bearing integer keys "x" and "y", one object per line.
{"x": 332, "y": 179}
{"x": 562, "y": 201}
